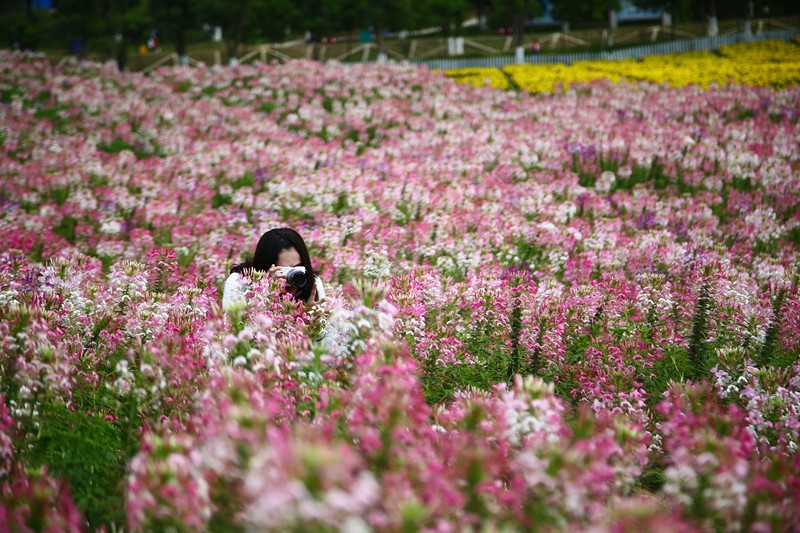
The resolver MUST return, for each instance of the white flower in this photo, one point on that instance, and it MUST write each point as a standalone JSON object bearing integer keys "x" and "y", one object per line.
{"x": 111, "y": 227}
{"x": 605, "y": 182}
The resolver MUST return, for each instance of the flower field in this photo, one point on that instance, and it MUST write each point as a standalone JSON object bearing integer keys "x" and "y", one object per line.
{"x": 546, "y": 312}
{"x": 760, "y": 64}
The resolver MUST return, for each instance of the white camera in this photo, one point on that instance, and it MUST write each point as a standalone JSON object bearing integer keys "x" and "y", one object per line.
{"x": 295, "y": 276}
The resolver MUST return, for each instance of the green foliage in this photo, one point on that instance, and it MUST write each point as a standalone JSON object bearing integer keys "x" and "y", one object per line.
{"x": 224, "y": 519}
{"x": 66, "y": 228}
{"x": 31, "y": 33}
{"x": 408, "y": 212}
{"x": 90, "y": 450}
{"x": 517, "y": 358}
{"x": 440, "y": 383}
{"x": 585, "y": 179}
{"x": 679, "y": 9}
{"x": 697, "y": 351}
{"x": 174, "y": 19}
{"x": 504, "y": 12}
{"x": 497, "y": 354}
{"x": 583, "y": 10}
{"x": 328, "y": 17}
{"x": 392, "y": 15}
{"x": 770, "y": 346}
{"x": 60, "y": 195}
{"x": 246, "y": 180}
{"x": 449, "y": 14}
{"x": 7, "y": 95}
{"x": 639, "y": 175}
{"x": 342, "y": 204}
{"x": 114, "y": 147}
{"x": 673, "y": 367}
{"x": 248, "y": 20}
{"x": 743, "y": 184}
{"x": 118, "y": 145}
{"x": 220, "y": 200}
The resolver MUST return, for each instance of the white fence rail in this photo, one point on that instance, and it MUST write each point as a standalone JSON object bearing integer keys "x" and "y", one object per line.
{"x": 500, "y": 61}
{"x": 636, "y": 52}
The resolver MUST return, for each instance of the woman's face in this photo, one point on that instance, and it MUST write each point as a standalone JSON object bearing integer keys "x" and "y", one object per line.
{"x": 289, "y": 258}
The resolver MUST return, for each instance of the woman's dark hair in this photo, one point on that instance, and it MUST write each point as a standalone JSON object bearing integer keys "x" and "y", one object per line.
{"x": 270, "y": 245}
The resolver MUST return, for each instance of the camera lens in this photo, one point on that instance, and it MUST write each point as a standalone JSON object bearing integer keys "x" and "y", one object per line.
{"x": 297, "y": 278}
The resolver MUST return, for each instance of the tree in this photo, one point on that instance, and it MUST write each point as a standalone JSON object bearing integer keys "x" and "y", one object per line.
{"x": 679, "y": 10}
{"x": 352, "y": 14}
{"x": 480, "y": 7}
{"x": 516, "y": 13}
{"x": 574, "y": 11}
{"x": 172, "y": 19}
{"x": 389, "y": 15}
{"x": 271, "y": 19}
{"x": 326, "y": 17}
{"x": 233, "y": 17}
{"x": 21, "y": 27}
{"x": 137, "y": 22}
{"x": 103, "y": 25}
{"x": 449, "y": 14}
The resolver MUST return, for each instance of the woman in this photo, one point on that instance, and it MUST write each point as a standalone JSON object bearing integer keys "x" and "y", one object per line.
{"x": 277, "y": 250}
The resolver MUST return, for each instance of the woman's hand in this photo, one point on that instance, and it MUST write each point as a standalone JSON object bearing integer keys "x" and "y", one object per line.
{"x": 276, "y": 272}
{"x": 312, "y": 300}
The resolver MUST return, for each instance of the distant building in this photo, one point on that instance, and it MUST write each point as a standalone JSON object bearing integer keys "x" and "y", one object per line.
{"x": 627, "y": 13}
{"x": 36, "y": 4}
{"x": 19, "y": 5}
{"x": 631, "y": 12}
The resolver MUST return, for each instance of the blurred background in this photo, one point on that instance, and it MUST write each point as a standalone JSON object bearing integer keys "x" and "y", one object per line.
{"x": 139, "y": 33}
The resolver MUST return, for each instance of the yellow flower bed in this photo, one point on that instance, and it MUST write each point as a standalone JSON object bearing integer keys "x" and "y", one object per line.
{"x": 543, "y": 78}
{"x": 479, "y": 77}
{"x": 762, "y": 51}
{"x": 701, "y": 68}
{"x": 762, "y": 63}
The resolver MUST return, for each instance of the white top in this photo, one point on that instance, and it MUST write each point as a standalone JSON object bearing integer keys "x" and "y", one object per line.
{"x": 235, "y": 291}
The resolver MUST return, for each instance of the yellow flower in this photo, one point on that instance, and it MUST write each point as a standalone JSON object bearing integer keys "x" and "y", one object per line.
{"x": 479, "y": 77}
{"x": 761, "y": 63}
